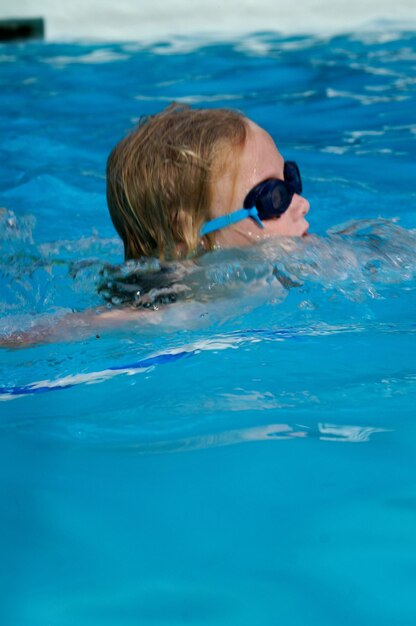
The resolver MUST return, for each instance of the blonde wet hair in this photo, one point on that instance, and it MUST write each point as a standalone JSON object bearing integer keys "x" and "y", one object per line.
{"x": 159, "y": 179}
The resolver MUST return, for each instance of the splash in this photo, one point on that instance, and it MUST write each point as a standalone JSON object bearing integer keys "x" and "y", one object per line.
{"x": 45, "y": 278}
{"x": 357, "y": 261}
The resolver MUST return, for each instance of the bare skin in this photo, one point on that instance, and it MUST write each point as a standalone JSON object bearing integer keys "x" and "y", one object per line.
{"x": 258, "y": 160}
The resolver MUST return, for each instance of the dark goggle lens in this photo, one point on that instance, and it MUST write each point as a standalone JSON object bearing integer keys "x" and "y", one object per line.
{"x": 280, "y": 197}
{"x": 273, "y": 196}
{"x": 292, "y": 176}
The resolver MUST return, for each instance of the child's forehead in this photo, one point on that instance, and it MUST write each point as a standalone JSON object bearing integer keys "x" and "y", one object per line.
{"x": 260, "y": 159}
{"x": 260, "y": 139}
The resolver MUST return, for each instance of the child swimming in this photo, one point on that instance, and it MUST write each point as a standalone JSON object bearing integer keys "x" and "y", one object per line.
{"x": 187, "y": 181}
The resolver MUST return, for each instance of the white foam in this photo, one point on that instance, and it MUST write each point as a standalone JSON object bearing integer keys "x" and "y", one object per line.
{"x": 139, "y": 21}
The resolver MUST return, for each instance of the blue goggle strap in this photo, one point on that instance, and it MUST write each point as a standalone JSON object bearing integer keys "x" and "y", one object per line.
{"x": 231, "y": 218}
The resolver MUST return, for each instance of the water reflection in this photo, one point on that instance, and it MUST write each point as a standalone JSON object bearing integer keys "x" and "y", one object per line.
{"x": 267, "y": 432}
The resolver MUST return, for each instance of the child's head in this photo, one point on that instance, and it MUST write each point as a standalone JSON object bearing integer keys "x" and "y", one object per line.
{"x": 184, "y": 167}
{"x": 159, "y": 178}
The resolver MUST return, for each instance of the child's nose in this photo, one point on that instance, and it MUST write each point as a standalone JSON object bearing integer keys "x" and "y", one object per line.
{"x": 302, "y": 204}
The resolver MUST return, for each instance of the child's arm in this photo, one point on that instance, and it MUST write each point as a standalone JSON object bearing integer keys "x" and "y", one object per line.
{"x": 76, "y": 326}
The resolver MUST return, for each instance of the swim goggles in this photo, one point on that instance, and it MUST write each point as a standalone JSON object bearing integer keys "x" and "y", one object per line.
{"x": 267, "y": 200}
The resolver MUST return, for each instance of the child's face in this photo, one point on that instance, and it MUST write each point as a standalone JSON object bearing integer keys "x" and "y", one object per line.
{"x": 258, "y": 160}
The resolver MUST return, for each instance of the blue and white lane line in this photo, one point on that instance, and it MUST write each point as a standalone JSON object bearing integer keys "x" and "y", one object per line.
{"x": 44, "y": 386}
{"x": 219, "y": 343}
{"x": 163, "y": 358}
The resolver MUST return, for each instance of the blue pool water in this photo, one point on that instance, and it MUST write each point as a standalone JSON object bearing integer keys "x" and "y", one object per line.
{"x": 247, "y": 455}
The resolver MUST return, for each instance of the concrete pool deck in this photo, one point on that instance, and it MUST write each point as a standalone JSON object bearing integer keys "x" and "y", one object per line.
{"x": 132, "y": 20}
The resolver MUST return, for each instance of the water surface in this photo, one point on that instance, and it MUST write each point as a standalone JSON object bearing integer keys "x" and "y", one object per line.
{"x": 245, "y": 455}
